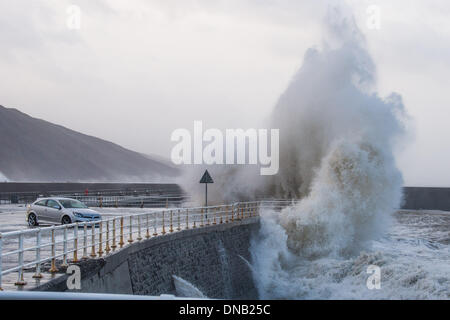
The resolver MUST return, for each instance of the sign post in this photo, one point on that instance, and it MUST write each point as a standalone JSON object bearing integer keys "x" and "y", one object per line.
{"x": 206, "y": 178}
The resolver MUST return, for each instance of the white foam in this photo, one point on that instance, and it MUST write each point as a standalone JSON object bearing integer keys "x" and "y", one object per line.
{"x": 186, "y": 289}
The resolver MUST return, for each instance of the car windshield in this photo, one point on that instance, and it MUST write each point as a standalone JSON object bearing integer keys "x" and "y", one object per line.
{"x": 72, "y": 204}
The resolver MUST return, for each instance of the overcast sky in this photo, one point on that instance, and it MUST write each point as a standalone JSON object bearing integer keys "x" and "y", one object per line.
{"x": 136, "y": 70}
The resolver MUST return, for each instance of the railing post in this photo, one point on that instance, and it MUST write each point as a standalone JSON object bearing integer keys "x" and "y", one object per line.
{"x": 195, "y": 219}
{"x": 107, "y": 248}
{"x": 221, "y": 215}
{"x": 53, "y": 268}
{"x": 139, "y": 238}
{"x": 201, "y": 218}
{"x": 215, "y": 214}
{"x": 64, "y": 263}
{"x": 114, "y": 246}
{"x": 130, "y": 227}
{"x": 121, "y": 243}
{"x": 147, "y": 235}
{"x": 171, "y": 221}
{"x": 75, "y": 243}
{"x": 179, "y": 221}
{"x": 187, "y": 219}
{"x": 20, "y": 281}
{"x": 155, "y": 221}
{"x": 37, "y": 273}
{"x": 93, "y": 255}
{"x": 85, "y": 256}
{"x": 100, "y": 239}
{"x": 1, "y": 270}
{"x": 163, "y": 224}
{"x": 232, "y": 212}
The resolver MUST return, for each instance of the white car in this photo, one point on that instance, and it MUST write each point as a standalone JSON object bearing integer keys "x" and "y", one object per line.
{"x": 59, "y": 210}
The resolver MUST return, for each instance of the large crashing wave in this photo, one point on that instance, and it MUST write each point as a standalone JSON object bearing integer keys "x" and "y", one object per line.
{"x": 336, "y": 154}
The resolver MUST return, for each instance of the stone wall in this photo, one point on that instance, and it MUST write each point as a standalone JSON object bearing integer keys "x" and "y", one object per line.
{"x": 213, "y": 259}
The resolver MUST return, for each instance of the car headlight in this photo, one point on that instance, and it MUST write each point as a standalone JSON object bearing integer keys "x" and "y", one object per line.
{"x": 79, "y": 215}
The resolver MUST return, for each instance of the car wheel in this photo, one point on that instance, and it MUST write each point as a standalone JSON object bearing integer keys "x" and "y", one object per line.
{"x": 66, "y": 220}
{"x": 32, "y": 220}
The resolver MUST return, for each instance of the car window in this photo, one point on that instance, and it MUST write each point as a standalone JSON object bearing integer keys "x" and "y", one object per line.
{"x": 41, "y": 203}
{"x": 53, "y": 204}
{"x": 73, "y": 204}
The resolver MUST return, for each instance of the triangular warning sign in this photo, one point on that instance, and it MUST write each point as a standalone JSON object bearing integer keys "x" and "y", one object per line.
{"x": 206, "y": 178}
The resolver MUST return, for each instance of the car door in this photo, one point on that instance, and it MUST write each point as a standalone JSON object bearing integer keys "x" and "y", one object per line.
{"x": 53, "y": 211}
{"x": 40, "y": 208}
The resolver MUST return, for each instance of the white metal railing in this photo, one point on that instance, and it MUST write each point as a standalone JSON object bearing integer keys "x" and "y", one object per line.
{"x": 132, "y": 201}
{"x": 53, "y": 247}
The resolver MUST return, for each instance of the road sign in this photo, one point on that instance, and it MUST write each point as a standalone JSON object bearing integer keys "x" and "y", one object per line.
{"x": 206, "y": 178}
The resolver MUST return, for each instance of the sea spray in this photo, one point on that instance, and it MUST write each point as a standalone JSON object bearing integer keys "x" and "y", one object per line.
{"x": 337, "y": 140}
{"x": 186, "y": 289}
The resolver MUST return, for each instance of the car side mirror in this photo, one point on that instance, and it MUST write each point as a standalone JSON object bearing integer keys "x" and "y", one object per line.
{"x": 57, "y": 207}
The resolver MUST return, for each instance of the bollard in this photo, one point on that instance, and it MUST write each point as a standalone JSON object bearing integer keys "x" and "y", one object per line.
{"x": 20, "y": 281}
{"x": 37, "y": 274}
{"x": 85, "y": 242}
{"x": 215, "y": 214}
{"x": 64, "y": 263}
{"x": 100, "y": 239}
{"x": 171, "y": 221}
{"x": 232, "y": 213}
{"x": 114, "y": 246}
{"x": 187, "y": 219}
{"x": 107, "y": 247}
{"x": 53, "y": 268}
{"x": 93, "y": 255}
{"x": 221, "y": 215}
{"x": 147, "y": 235}
{"x": 179, "y": 221}
{"x": 75, "y": 243}
{"x": 121, "y": 243}
{"x": 139, "y": 238}
{"x": 130, "y": 240}
{"x": 201, "y": 218}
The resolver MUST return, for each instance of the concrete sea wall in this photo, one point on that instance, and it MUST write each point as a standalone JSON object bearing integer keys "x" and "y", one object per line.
{"x": 426, "y": 198}
{"x": 213, "y": 259}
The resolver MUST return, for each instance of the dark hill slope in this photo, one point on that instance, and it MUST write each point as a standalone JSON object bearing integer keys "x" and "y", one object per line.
{"x": 36, "y": 150}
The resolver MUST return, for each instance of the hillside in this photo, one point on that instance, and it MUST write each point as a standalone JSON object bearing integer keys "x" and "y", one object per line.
{"x": 36, "y": 150}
